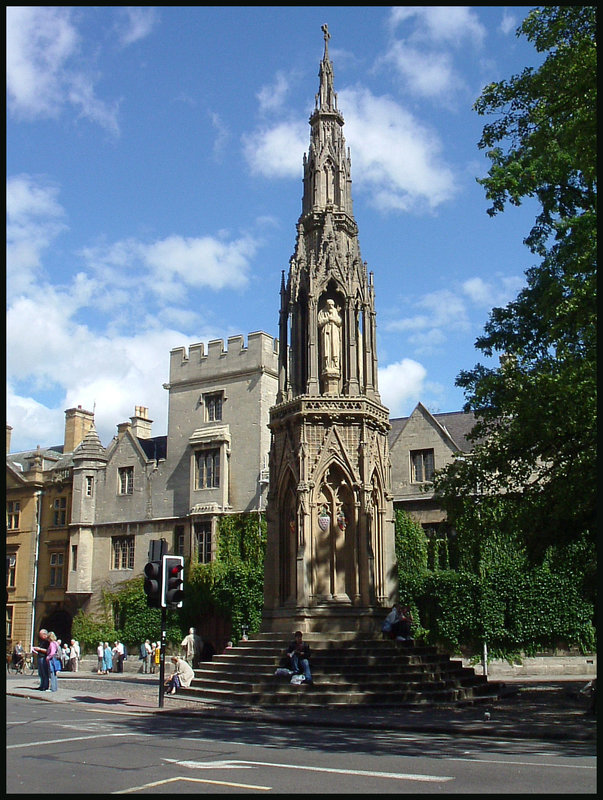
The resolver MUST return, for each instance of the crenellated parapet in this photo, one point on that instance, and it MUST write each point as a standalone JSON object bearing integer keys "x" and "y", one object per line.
{"x": 219, "y": 362}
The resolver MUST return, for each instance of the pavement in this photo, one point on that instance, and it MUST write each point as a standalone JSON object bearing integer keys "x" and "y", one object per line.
{"x": 544, "y": 708}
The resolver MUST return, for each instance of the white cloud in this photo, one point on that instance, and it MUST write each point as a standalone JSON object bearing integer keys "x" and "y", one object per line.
{"x": 34, "y": 220}
{"x": 42, "y": 70}
{"x": 394, "y": 157}
{"x": 136, "y": 22}
{"x": 86, "y": 325}
{"x": 272, "y": 97}
{"x": 443, "y": 308}
{"x": 451, "y": 25}
{"x": 25, "y": 414}
{"x": 201, "y": 261}
{"x": 401, "y": 385}
{"x": 276, "y": 152}
{"x": 112, "y": 371}
{"x": 489, "y": 294}
{"x": 165, "y": 270}
{"x": 426, "y": 74}
{"x": 424, "y": 57}
{"x": 508, "y": 23}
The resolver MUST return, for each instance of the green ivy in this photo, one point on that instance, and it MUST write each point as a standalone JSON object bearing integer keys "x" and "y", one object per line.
{"x": 233, "y": 584}
{"x": 496, "y": 596}
{"x": 135, "y": 621}
{"x": 89, "y": 630}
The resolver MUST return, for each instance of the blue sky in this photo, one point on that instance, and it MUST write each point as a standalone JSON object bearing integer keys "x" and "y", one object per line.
{"x": 154, "y": 165}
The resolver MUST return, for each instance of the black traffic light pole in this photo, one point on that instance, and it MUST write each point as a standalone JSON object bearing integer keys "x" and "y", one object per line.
{"x": 163, "y": 587}
{"x": 162, "y": 657}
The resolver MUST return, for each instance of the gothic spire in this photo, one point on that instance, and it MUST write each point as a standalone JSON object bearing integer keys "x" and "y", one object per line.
{"x": 326, "y": 99}
{"x": 327, "y": 165}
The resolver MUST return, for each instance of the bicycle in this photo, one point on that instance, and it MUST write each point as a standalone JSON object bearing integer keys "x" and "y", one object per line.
{"x": 26, "y": 666}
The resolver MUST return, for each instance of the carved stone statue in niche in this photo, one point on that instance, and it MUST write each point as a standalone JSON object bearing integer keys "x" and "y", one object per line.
{"x": 329, "y": 324}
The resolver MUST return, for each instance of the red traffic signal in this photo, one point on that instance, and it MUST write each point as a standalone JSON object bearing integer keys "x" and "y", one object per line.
{"x": 172, "y": 582}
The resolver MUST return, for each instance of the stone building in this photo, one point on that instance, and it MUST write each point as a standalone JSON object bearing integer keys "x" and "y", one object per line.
{"x": 38, "y": 512}
{"x": 419, "y": 445}
{"x": 94, "y": 510}
{"x": 176, "y": 487}
{"x": 330, "y": 562}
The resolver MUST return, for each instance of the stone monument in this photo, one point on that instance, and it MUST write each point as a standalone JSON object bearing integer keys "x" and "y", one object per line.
{"x": 330, "y": 561}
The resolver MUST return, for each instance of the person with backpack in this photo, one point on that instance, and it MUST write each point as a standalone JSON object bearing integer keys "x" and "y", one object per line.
{"x": 145, "y": 656}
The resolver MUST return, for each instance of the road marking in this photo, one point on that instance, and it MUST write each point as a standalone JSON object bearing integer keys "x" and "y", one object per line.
{"x": 71, "y": 739}
{"x": 193, "y": 780}
{"x": 522, "y": 763}
{"x": 400, "y": 776}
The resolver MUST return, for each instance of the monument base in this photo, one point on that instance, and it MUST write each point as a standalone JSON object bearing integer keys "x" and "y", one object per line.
{"x": 325, "y": 619}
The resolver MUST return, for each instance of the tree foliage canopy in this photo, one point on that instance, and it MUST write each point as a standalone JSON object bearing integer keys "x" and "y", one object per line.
{"x": 536, "y": 413}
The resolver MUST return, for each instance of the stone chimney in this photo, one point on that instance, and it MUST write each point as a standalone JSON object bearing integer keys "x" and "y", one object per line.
{"x": 9, "y": 431}
{"x": 77, "y": 424}
{"x": 141, "y": 424}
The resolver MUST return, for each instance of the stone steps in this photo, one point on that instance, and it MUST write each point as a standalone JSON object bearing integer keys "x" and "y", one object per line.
{"x": 347, "y": 669}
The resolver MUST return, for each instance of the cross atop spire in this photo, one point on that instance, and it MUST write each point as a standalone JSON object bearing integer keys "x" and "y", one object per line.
{"x": 326, "y": 99}
{"x": 325, "y": 29}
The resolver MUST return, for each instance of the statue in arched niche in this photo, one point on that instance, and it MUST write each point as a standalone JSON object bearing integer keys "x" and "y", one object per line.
{"x": 329, "y": 324}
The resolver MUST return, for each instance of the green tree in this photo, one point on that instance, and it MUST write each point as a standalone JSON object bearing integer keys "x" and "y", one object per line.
{"x": 535, "y": 433}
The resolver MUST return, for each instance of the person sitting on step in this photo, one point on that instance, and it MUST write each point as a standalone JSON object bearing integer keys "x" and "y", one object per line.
{"x": 182, "y": 676}
{"x": 299, "y": 655}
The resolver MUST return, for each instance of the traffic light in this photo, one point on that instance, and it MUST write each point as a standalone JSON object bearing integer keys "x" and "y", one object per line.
{"x": 172, "y": 582}
{"x": 152, "y": 584}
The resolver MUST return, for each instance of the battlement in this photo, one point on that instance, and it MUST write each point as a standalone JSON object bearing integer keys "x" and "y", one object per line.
{"x": 260, "y": 353}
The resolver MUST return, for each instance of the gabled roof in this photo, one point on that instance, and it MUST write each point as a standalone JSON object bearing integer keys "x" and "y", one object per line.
{"x": 456, "y": 424}
{"x": 23, "y": 461}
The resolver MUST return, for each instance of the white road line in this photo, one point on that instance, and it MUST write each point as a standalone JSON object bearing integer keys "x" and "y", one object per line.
{"x": 43, "y": 742}
{"x": 400, "y": 776}
{"x": 522, "y": 763}
{"x": 192, "y": 780}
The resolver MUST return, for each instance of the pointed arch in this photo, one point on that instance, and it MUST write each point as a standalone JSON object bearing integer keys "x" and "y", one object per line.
{"x": 334, "y": 540}
{"x": 377, "y": 522}
{"x": 287, "y": 522}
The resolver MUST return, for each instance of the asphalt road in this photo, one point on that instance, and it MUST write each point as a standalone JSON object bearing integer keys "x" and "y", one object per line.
{"x": 87, "y": 751}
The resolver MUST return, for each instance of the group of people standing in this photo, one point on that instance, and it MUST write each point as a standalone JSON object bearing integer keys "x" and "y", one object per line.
{"x": 110, "y": 659}
{"x": 150, "y": 655}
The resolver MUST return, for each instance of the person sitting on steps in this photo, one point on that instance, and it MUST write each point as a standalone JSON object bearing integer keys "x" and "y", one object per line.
{"x": 299, "y": 654}
{"x": 182, "y": 676}
{"x": 397, "y": 624}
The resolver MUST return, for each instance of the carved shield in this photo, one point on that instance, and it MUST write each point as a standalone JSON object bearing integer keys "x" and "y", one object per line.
{"x": 324, "y": 521}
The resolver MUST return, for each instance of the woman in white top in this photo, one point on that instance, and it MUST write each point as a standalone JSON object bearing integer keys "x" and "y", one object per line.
{"x": 100, "y": 652}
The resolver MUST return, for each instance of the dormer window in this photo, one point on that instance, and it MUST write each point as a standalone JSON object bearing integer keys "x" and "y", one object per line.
{"x": 421, "y": 466}
{"x": 126, "y": 480}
